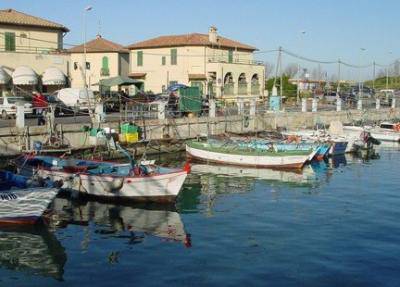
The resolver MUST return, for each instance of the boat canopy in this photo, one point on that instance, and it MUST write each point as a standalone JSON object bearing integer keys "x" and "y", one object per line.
{"x": 118, "y": 81}
{"x": 53, "y": 76}
{"x": 24, "y": 75}
{"x": 4, "y": 76}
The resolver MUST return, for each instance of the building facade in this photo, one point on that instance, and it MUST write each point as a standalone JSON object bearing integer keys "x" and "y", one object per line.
{"x": 104, "y": 59}
{"x": 31, "y": 52}
{"x": 220, "y": 67}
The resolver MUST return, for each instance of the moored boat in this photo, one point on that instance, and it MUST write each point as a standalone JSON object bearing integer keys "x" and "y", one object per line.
{"x": 23, "y": 200}
{"x": 245, "y": 156}
{"x": 114, "y": 180}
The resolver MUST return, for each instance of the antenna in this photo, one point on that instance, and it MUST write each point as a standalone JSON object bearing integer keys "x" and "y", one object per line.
{"x": 99, "y": 27}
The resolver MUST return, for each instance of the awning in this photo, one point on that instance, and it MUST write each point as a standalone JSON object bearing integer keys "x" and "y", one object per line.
{"x": 137, "y": 75}
{"x": 197, "y": 77}
{"x": 4, "y": 76}
{"x": 53, "y": 76}
{"x": 24, "y": 75}
{"x": 118, "y": 81}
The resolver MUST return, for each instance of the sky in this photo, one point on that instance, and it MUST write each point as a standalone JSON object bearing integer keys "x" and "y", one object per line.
{"x": 323, "y": 30}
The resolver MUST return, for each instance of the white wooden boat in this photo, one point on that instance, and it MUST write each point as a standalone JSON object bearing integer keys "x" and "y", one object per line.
{"x": 234, "y": 155}
{"x": 113, "y": 180}
{"x": 22, "y": 201}
{"x": 379, "y": 133}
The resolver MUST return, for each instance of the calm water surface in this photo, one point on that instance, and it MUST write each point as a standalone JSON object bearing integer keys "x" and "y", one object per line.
{"x": 336, "y": 224}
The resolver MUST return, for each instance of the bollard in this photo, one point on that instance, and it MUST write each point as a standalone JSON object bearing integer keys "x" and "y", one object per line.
{"x": 314, "y": 105}
{"x": 161, "y": 110}
{"x": 240, "y": 104}
{"x": 338, "y": 104}
{"x": 378, "y": 104}
{"x": 253, "y": 104}
{"x": 99, "y": 112}
{"x": 304, "y": 105}
{"x": 359, "y": 105}
{"x": 393, "y": 103}
{"x": 20, "y": 115}
{"x": 212, "y": 109}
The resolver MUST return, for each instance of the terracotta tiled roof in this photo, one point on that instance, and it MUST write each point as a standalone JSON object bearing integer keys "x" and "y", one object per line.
{"x": 99, "y": 45}
{"x": 13, "y": 17}
{"x": 194, "y": 39}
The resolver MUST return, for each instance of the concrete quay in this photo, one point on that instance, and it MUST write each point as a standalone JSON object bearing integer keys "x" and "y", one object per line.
{"x": 160, "y": 133}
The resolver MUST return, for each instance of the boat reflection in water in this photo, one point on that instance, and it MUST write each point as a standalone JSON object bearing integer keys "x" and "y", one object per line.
{"x": 159, "y": 220}
{"x": 33, "y": 250}
{"x": 306, "y": 176}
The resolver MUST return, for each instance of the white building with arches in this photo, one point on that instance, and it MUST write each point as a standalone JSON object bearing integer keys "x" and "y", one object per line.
{"x": 221, "y": 67}
{"x": 104, "y": 59}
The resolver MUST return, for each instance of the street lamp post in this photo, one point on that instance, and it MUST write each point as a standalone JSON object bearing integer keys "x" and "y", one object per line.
{"x": 387, "y": 74}
{"x": 87, "y": 9}
{"x": 360, "y": 92}
{"x": 302, "y": 33}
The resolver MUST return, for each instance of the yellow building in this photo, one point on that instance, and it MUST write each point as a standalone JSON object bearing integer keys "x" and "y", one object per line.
{"x": 31, "y": 52}
{"x": 104, "y": 59}
{"x": 221, "y": 67}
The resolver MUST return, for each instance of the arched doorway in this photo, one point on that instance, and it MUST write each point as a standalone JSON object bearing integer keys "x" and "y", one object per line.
{"x": 255, "y": 85}
{"x": 228, "y": 84}
{"x": 242, "y": 84}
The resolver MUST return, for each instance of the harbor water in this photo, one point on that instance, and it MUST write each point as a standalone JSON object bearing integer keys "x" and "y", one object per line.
{"x": 334, "y": 224}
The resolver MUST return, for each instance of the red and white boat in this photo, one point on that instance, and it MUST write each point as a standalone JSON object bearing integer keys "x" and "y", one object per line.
{"x": 114, "y": 180}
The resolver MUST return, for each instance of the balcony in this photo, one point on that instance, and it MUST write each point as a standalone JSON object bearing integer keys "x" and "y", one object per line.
{"x": 242, "y": 88}
{"x": 220, "y": 59}
{"x": 255, "y": 89}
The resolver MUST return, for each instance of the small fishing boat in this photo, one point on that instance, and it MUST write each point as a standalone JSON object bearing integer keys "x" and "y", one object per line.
{"x": 23, "y": 200}
{"x": 281, "y": 146}
{"x": 384, "y": 132}
{"x": 230, "y": 153}
{"x": 113, "y": 180}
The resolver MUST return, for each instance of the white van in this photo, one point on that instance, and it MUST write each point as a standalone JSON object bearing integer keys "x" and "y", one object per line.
{"x": 76, "y": 98}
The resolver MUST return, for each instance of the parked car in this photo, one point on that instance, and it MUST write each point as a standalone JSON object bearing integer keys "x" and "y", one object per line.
{"x": 76, "y": 99}
{"x": 61, "y": 109}
{"x": 8, "y": 106}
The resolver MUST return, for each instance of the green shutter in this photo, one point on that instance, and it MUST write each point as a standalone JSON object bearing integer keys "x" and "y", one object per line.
{"x": 163, "y": 61}
{"x": 140, "y": 58}
{"x": 230, "y": 56}
{"x": 174, "y": 57}
{"x": 105, "y": 71}
{"x": 9, "y": 38}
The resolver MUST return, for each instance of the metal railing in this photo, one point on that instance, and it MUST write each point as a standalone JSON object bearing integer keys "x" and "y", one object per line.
{"x": 221, "y": 59}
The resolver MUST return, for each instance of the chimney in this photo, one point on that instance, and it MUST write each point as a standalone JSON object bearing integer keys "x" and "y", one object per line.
{"x": 212, "y": 35}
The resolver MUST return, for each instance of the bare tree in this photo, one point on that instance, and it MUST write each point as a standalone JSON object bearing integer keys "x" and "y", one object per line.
{"x": 381, "y": 73}
{"x": 291, "y": 70}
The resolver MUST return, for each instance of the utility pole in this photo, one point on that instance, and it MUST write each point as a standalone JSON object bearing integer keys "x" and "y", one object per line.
{"x": 373, "y": 75}
{"x": 360, "y": 92}
{"x": 298, "y": 73}
{"x": 338, "y": 81}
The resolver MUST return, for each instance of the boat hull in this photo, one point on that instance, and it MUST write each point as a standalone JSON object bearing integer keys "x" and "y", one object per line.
{"x": 284, "y": 162}
{"x": 25, "y": 206}
{"x": 157, "y": 188}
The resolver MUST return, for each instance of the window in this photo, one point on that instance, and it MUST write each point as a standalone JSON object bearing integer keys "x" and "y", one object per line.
{"x": 9, "y": 38}
{"x": 230, "y": 56}
{"x": 105, "y": 71}
{"x": 139, "y": 58}
{"x": 163, "y": 61}
{"x": 174, "y": 57}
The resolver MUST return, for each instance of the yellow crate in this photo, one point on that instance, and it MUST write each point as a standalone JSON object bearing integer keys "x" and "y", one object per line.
{"x": 132, "y": 137}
